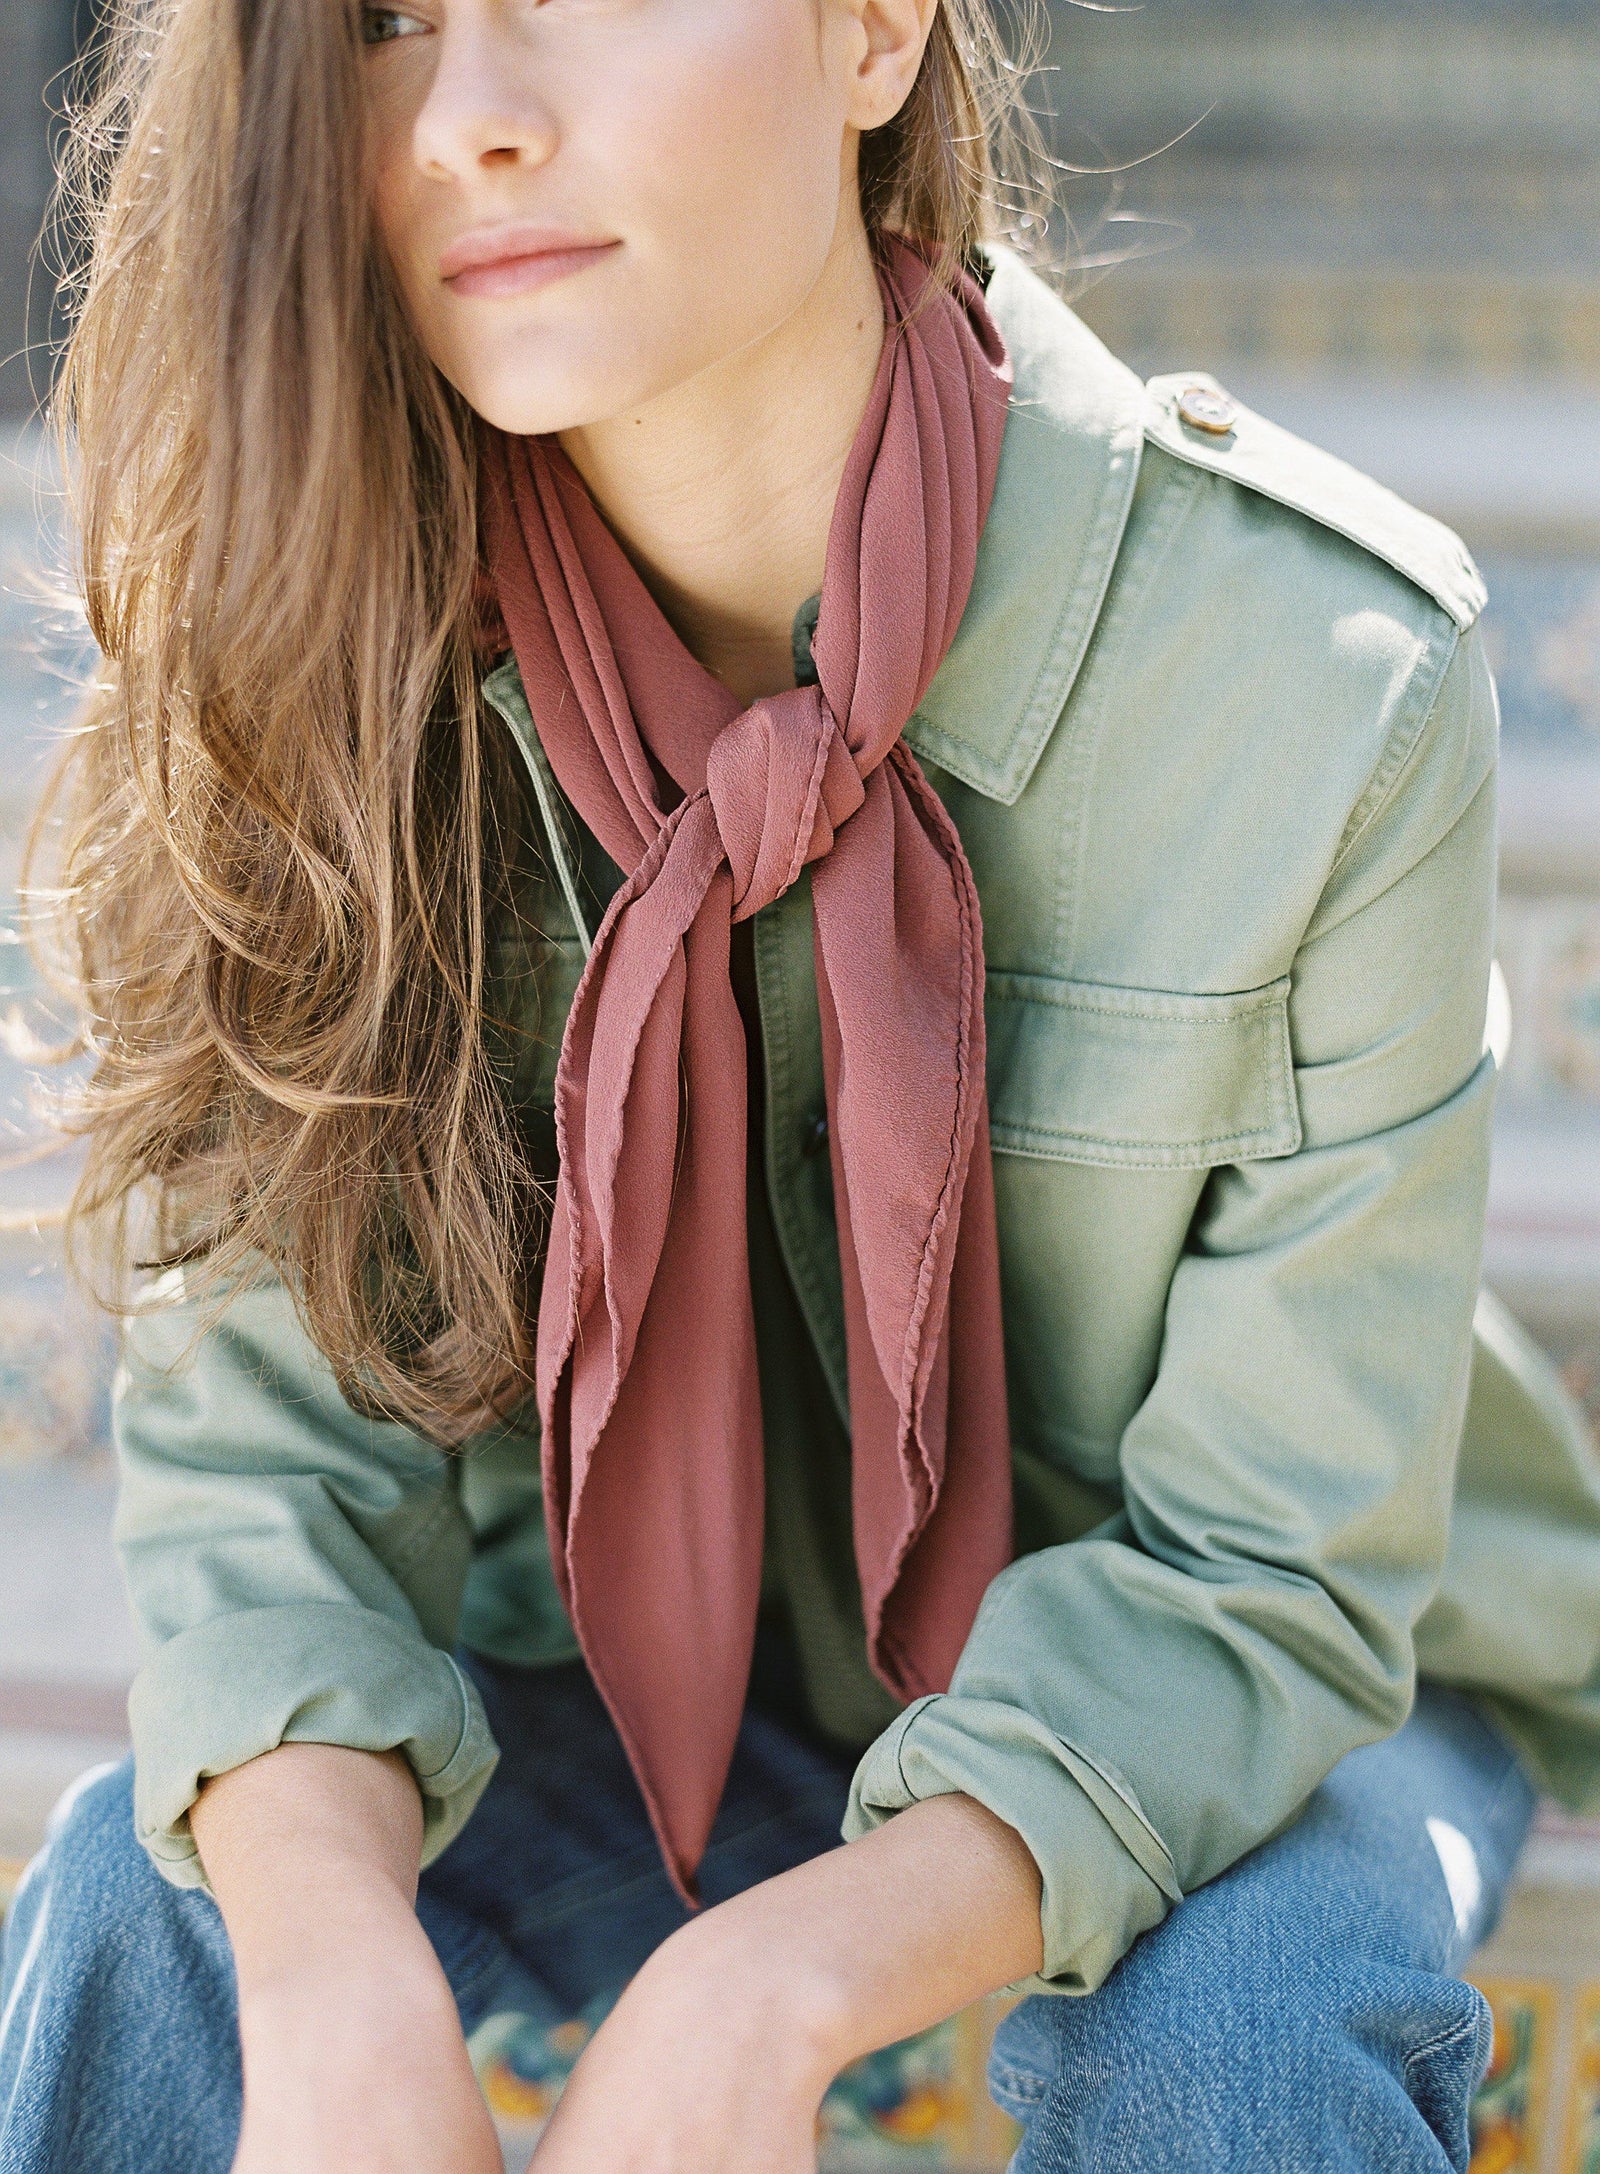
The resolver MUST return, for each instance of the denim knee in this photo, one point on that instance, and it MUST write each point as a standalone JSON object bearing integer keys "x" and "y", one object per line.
{"x": 91, "y": 1882}
{"x": 75, "y": 1868}
{"x": 91, "y": 1832}
{"x": 1297, "y": 2064}
{"x": 118, "y": 2043}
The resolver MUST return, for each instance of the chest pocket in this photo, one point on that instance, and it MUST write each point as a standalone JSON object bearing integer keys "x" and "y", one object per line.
{"x": 1138, "y": 1078}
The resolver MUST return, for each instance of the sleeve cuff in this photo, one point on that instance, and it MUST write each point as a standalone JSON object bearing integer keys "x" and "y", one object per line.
{"x": 1107, "y": 1874}
{"x": 225, "y": 1692}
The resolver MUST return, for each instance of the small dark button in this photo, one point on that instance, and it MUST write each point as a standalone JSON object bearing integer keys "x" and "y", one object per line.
{"x": 816, "y": 1138}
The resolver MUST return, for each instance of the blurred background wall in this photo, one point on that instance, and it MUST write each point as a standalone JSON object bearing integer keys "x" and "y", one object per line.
{"x": 1401, "y": 187}
{"x": 36, "y": 41}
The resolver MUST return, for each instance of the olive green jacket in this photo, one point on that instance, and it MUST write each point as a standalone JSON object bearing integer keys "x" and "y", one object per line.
{"x": 1219, "y": 738}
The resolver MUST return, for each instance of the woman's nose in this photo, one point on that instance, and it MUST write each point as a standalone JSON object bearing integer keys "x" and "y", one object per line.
{"x": 483, "y": 107}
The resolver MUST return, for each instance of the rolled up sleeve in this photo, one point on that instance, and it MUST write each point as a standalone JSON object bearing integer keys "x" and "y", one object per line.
{"x": 1106, "y": 1873}
{"x": 1147, "y": 1703}
{"x": 295, "y": 1570}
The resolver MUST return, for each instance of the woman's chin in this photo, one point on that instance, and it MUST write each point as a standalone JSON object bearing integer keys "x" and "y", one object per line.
{"x": 532, "y": 379}
{"x": 529, "y": 404}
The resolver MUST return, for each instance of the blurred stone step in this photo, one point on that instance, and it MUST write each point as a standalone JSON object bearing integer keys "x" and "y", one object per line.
{"x": 67, "y": 1645}
{"x": 1542, "y": 1252}
{"x": 1550, "y": 818}
{"x": 64, "y": 1619}
{"x": 36, "y": 1769}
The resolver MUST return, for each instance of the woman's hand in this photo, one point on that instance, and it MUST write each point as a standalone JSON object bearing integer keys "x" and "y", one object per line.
{"x": 354, "y": 2062}
{"x": 716, "y": 2058}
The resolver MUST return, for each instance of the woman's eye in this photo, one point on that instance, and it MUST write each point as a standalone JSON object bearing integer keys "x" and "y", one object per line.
{"x": 380, "y": 26}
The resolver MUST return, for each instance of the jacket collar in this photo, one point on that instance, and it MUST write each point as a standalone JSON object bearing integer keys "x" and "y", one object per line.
{"x": 1067, "y": 472}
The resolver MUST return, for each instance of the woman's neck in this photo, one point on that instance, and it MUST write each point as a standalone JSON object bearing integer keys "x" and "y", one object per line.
{"x": 722, "y": 491}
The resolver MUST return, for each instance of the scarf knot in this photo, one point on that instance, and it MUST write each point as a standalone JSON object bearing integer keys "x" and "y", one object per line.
{"x": 781, "y": 781}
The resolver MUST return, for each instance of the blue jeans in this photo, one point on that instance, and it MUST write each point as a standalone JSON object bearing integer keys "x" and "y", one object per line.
{"x": 1297, "y": 2016}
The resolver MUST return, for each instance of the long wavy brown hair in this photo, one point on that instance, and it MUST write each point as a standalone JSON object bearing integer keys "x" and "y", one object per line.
{"x": 280, "y": 840}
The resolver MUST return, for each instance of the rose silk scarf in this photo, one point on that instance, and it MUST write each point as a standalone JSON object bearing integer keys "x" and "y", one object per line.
{"x": 647, "y": 1383}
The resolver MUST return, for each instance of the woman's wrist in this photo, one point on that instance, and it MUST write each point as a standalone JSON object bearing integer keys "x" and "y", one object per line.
{"x": 783, "y": 2000}
{"x": 353, "y": 2054}
{"x": 342, "y": 1927}
{"x": 871, "y": 1942}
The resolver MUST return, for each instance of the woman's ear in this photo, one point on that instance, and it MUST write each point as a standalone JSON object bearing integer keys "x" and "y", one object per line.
{"x": 891, "y": 36}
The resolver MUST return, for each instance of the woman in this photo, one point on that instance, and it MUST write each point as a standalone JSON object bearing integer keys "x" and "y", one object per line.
{"x": 649, "y": 658}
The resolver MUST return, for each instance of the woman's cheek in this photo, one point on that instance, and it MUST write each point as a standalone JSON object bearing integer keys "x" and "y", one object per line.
{"x": 747, "y": 221}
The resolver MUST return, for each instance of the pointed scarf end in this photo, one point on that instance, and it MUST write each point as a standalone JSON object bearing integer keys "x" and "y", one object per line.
{"x": 686, "y": 1883}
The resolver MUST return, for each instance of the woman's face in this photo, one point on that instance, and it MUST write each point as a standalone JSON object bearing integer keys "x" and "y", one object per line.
{"x": 588, "y": 202}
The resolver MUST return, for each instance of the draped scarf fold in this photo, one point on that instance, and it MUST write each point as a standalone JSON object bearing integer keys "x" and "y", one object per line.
{"x": 646, "y": 1354}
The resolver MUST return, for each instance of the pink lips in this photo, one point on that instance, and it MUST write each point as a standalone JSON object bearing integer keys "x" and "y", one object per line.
{"x": 501, "y": 260}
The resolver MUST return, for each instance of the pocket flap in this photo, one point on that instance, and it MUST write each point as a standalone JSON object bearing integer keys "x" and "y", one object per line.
{"x": 1139, "y": 1078}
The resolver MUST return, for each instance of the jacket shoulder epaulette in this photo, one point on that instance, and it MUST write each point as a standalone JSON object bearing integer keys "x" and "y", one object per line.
{"x": 1235, "y": 442}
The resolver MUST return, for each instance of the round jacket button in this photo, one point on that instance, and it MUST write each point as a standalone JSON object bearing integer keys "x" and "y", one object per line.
{"x": 1202, "y": 407}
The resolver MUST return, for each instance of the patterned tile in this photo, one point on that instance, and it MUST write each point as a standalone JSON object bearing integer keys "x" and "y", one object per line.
{"x": 1549, "y": 951}
{"x": 1583, "y": 2126}
{"x": 911, "y": 2109}
{"x": 1510, "y": 2116}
